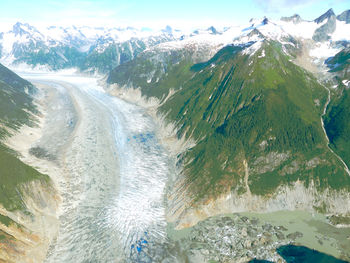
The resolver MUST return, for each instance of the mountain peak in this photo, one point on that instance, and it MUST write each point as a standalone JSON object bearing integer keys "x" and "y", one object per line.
{"x": 294, "y": 18}
{"x": 255, "y": 33}
{"x": 212, "y": 30}
{"x": 18, "y": 28}
{"x": 345, "y": 16}
{"x": 168, "y": 30}
{"x": 257, "y": 22}
{"x": 23, "y": 28}
{"x": 325, "y": 16}
{"x": 323, "y": 33}
{"x": 265, "y": 21}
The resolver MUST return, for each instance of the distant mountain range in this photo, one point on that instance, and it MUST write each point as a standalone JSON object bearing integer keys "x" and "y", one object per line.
{"x": 80, "y": 47}
{"x": 101, "y": 49}
{"x": 85, "y": 48}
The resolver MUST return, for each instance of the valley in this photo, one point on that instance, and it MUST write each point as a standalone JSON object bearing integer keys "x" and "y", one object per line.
{"x": 120, "y": 150}
{"x": 114, "y": 145}
{"x": 228, "y": 144}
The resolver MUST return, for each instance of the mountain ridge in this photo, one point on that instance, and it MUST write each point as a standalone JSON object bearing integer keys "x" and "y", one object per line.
{"x": 98, "y": 50}
{"x": 330, "y": 13}
{"x": 345, "y": 16}
{"x": 229, "y": 140}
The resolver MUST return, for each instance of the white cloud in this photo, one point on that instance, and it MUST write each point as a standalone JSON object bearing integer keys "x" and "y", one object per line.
{"x": 280, "y": 5}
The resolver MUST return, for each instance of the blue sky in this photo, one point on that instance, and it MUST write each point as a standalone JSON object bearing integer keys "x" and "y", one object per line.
{"x": 157, "y": 13}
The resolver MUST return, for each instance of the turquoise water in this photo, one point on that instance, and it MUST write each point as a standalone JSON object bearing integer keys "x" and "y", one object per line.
{"x": 301, "y": 254}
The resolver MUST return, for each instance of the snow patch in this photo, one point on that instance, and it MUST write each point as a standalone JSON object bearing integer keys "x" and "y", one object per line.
{"x": 303, "y": 29}
{"x": 273, "y": 31}
{"x": 262, "y": 54}
{"x": 323, "y": 50}
{"x": 342, "y": 32}
{"x": 252, "y": 49}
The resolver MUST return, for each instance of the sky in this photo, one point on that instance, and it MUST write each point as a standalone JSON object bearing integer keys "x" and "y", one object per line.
{"x": 158, "y": 13}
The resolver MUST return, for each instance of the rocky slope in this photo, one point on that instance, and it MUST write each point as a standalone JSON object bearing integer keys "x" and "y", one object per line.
{"x": 28, "y": 201}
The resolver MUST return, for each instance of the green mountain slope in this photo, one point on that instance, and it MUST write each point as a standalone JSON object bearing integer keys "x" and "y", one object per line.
{"x": 16, "y": 108}
{"x": 340, "y": 63}
{"x": 158, "y": 70}
{"x": 254, "y": 113}
{"x": 338, "y": 114}
{"x": 256, "y": 118}
{"x": 112, "y": 56}
{"x": 16, "y": 101}
{"x": 18, "y": 181}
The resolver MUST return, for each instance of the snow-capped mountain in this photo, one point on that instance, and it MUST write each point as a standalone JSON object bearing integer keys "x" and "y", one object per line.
{"x": 101, "y": 49}
{"x": 85, "y": 48}
{"x": 321, "y": 38}
{"x": 88, "y": 49}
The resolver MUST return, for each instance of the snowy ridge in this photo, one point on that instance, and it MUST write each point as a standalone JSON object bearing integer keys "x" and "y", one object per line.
{"x": 285, "y": 32}
{"x": 36, "y": 47}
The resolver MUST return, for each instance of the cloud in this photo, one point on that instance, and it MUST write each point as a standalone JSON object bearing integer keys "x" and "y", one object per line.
{"x": 279, "y": 5}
